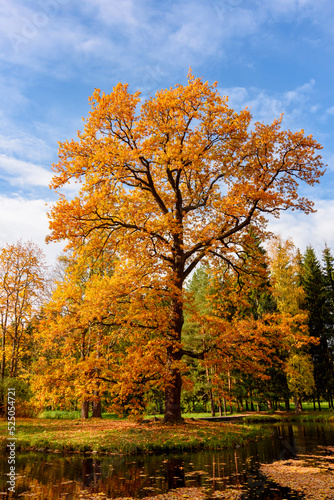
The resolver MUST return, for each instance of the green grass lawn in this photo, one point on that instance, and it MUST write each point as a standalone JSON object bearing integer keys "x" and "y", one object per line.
{"x": 121, "y": 436}
{"x": 67, "y": 432}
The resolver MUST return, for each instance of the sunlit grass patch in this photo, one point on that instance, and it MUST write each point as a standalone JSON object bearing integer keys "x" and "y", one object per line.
{"x": 129, "y": 437}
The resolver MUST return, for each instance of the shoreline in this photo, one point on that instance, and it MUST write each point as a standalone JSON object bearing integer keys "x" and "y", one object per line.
{"x": 149, "y": 436}
{"x": 125, "y": 437}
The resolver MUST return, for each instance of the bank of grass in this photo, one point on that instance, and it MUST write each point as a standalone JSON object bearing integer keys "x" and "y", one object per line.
{"x": 124, "y": 437}
{"x": 305, "y": 416}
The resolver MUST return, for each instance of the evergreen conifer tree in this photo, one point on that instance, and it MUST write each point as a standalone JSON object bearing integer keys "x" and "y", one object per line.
{"x": 328, "y": 276}
{"x": 313, "y": 282}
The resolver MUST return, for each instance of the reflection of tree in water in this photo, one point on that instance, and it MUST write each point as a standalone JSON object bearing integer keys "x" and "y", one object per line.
{"x": 91, "y": 472}
{"x": 287, "y": 443}
{"x": 51, "y": 476}
{"x": 175, "y": 473}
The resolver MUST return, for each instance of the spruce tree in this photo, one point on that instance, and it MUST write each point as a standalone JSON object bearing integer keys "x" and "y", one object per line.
{"x": 313, "y": 282}
{"x": 328, "y": 276}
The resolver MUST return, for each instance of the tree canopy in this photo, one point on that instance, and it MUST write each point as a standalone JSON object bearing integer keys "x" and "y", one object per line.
{"x": 169, "y": 182}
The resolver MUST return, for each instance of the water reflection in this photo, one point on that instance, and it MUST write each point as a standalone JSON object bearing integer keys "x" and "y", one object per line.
{"x": 52, "y": 476}
{"x": 175, "y": 473}
{"x": 91, "y": 472}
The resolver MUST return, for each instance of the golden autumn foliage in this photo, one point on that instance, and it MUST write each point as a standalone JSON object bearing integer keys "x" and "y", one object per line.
{"x": 289, "y": 294}
{"x": 163, "y": 184}
{"x": 285, "y": 271}
{"x": 93, "y": 329}
{"x": 235, "y": 318}
{"x": 23, "y": 287}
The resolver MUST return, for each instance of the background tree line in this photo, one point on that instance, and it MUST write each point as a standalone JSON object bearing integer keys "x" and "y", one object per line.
{"x": 267, "y": 333}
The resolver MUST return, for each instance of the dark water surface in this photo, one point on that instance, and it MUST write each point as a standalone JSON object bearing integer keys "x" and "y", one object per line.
{"x": 53, "y": 476}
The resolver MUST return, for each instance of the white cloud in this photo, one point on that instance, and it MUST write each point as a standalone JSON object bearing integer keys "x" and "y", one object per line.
{"x": 26, "y": 220}
{"x": 22, "y": 174}
{"x": 112, "y": 12}
{"x": 316, "y": 229}
{"x": 298, "y": 95}
{"x": 290, "y": 6}
{"x": 24, "y": 146}
{"x": 204, "y": 28}
{"x": 265, "y": 107}
{"x": 49, "y": 35}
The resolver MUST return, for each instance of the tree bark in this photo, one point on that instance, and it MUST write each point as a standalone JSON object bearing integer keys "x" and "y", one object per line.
{"x": 97, "y": 411}
{"x": 173, "y": 397}
{"x": 296, "y": 400}
{"x": 174, "y": 355}
{"x": 3, "y": 356}
{"x": 225, "y": 409}
{"x": 212, "y": 403}
{"x": 85, "y": 409}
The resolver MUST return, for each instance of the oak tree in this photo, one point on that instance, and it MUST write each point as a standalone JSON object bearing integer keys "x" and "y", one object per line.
{"x": 172, "y": 180}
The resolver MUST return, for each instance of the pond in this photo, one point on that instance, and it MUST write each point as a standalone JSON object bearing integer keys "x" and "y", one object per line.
{"x": 53, "y": 476}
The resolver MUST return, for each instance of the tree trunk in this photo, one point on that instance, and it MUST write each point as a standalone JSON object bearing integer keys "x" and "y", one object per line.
{"x": 85, "y": 409}
{"x": 12, "y": 362}
{"x": 220, "y": 407}
{"x": 251, "y": 400}
{"x": 174, "y": 355}
{"x": 3, "y": 356}
{"x": 229, "y": 390}
{"x": 296, "y": 400}
{"x": 225, "y": 409}
{"x": 97, "y": 411}
{"x": 173, "y": 397}
{"x": 212, "y": 403}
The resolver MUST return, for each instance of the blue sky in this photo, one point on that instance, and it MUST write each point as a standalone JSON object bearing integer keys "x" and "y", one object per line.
{"x": 275, "y": 56}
